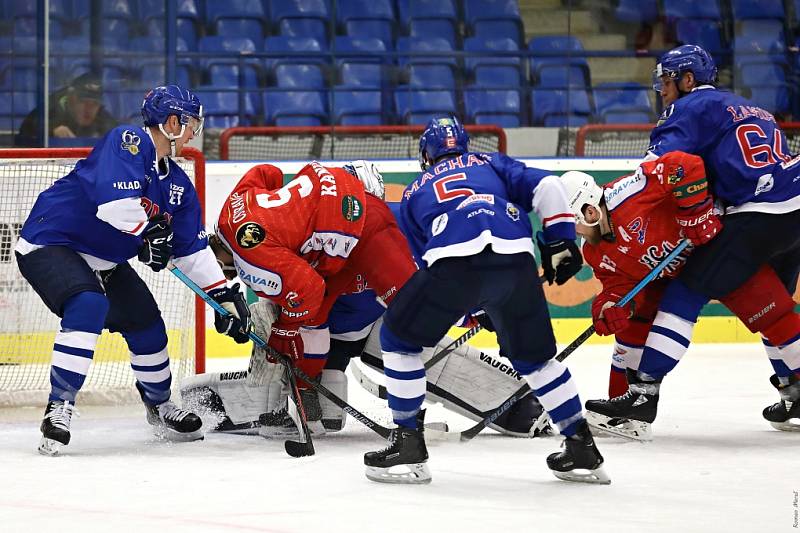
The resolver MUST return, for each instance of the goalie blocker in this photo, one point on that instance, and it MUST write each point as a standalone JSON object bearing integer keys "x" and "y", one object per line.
{"x": 467, "y": 382}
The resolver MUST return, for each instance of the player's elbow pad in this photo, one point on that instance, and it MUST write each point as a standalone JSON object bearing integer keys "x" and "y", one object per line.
{"x": 125, "y": 214}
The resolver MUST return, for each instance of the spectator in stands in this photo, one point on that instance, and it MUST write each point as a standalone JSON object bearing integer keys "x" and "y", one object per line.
{"x": 75, "y": 111}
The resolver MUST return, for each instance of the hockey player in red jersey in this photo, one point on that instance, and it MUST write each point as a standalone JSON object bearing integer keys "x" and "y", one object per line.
{"x": 303, "y": 244}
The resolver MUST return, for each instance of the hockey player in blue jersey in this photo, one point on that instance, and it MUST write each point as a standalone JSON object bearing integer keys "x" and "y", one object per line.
{"x": 466, "y": 219}
{"x": 756, "y": 183}
{"x": 126, "y": 199}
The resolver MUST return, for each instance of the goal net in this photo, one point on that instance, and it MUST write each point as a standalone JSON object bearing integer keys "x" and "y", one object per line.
{"x": 340, "y": 142}
{"x": 27, "y": 327}
{"x": 632, "y": 140}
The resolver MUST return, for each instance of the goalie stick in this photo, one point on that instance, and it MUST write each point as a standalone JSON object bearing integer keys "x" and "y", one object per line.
{"x": 301, "y": 448}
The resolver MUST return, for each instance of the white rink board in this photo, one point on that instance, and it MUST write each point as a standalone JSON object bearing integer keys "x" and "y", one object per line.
{"x": 714, "y": 466}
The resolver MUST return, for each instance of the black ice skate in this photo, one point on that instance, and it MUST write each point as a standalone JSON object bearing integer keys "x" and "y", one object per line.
{"x": 404, "y": 459}
{"x": 171, "y": 422}
{"x": 629, "y": 415}
{"x": 581, "y": 460}
{"x": 780, "y": 415}
{"x": 279, "y": 424}
{"x": 55, "y": 427}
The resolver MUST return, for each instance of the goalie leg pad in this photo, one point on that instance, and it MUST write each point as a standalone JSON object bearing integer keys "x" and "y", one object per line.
{"x": 333, "y": 416}
{"x": 225, "y": 398}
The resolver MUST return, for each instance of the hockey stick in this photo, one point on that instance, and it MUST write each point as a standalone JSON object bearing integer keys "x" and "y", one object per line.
{"x": 469, "y": 433}
{"x": 293, "y": 448}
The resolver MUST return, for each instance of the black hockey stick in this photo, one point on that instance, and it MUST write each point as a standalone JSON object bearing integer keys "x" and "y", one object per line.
{"x": 469, "y": 433}
{"x": 294, "y": 448}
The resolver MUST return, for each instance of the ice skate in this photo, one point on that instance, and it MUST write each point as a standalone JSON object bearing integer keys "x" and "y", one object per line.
{"x": 279, "y": 424}
{"x": 580, "y": 460}
{"x": 403, "y": 460}
{"x": 630, "y": 415}
{"x": 171, "y": 422}
{"x": 55, "y": 427}
{"x": 785, "y": 415}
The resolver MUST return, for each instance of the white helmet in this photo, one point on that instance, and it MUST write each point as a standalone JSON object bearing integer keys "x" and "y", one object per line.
{"x": 582, "y": 190}
{"x": 368, "y": 174}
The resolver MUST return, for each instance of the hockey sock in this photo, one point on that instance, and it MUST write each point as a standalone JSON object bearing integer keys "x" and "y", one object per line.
{"x": 405, "y": 378}
{"x": 625, "y": 356}
{"x": 555, "y": 389}
{"x": 73, "y": 350}
{"x": 617, "y": 382}
{"x": 671, "y": 332}
{"x": 310, "y": 365}
{"x": 316, "y": 344}
{"x": 150, "y": 361}
{"x": 782, "y": 341}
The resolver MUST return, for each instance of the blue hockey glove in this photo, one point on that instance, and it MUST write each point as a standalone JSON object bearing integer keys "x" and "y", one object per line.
{"x": 560, "y": 259}
{"x": 237, "y": 323}
{"x": 156, "y": 248}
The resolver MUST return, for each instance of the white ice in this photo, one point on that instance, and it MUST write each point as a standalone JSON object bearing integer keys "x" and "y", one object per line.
{"x": 715, "y": 465}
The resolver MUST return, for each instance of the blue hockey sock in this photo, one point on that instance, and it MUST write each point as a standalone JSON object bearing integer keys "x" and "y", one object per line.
{"x": 405, "y": 378}
{"x": 150, "y": 361}
{"x": 555, "y": 389}
{"x": 73, "y": 350}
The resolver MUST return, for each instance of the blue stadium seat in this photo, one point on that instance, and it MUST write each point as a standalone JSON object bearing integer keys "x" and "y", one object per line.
{"x": 292, "y": 77}
{"x": 501, "y": 107}
{"x": 706, "y": 33}
{"x": 295, "y": 108}
{"x": 234, "y": 9}
{"x": 73, "y": 54}
{"x": 559, "y": 107}
{"x": 362, "y": 75}
{"x": 22, "y": 103}
{"x": 241, "y": 27}
{"x": 410, "y": 10}
{"x": 371, "y": 28}
{"x": 637, "y": 11}
{"x": 356, "y": 49}
{"x": 490, "y": 52}
{"x": 357, "y": 108}
{"x": 556, "y": 51}
{"x": 762, "y": 74}
{"x": 561, "y": 76}
{"x": 495, "y": 29}
{"x": 431, "y": 77}
{"x": 317, "y": 9}
{"x": 759, "y": 41}
{"x": 425, "y": 47}
{"x": 115, "y": 33}
{"x": 114, "y": 76}
{"x": 304, "y": 27}
{"x": 490, "y": 10}
{"x": 229, "y": 51}
{"x": 497, "y": 77}
{"x": 758, "y": 9}
{"x": 225, "y": 75}
{"x": 153, "y": 74}
{"x": 436, "y": 27}
{"x": 365, "y": 9}
{"x": 286, "y": 51}
{"x": 623, "y": 103}
{"x": 690, "y": 9}
{"x": 773, "y": 98}
{"x": 416, "y": 106}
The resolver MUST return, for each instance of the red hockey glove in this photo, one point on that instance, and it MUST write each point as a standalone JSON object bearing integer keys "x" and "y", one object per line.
{"x": 610, "y": 320}
{"x": 699, "y": 223}
{"x": 286, "y": 341}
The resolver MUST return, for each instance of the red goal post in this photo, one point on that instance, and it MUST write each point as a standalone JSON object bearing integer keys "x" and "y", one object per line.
{"x": 632, "y": 140}
{"x": 301, "y": 143}
{"x": 27, "y": 326}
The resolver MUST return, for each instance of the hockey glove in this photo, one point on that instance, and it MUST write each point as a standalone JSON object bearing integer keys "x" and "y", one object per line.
{"x": 236, "y": 324}
{"x": 286, "y": 341}
{"x": 156, "y": 248}
{"x": 560, "y": 259}
{"x": 699, "y": 223}
{"x": 608, "y": 318}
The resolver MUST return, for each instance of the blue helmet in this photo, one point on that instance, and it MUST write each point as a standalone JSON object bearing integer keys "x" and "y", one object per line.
{"x": 162, "y": 102}
{"x": 685, "y": 58}
{"x": 443, "y": 135}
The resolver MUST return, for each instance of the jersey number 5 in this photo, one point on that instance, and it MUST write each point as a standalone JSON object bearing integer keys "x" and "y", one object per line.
{"x": 754, "y": 143}
{"x": 443, "y": 193}
{"x": 302, "y": 184}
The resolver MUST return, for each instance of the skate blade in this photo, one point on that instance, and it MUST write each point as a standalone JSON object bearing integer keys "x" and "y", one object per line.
{"x": 171, "y": 435}
{"x": 407, "y": 474}
{"x": 597, "y": 476}
{"x": 786, "y": 426}
{"x": 619, "y": 427}
{"x": 279, "y": 432}
{"x": 50, "y": 447}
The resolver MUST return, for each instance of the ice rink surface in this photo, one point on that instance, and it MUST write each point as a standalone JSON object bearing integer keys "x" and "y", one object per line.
{"x": 715, "y": 465}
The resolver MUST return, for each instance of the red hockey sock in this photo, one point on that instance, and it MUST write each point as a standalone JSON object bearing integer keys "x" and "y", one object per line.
{"x": 312, "y": 367}
{"x": 617, "y": 383}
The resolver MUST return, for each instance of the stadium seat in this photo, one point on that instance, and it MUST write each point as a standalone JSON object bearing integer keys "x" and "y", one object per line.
{"x": 416, "y": 106}
{"x": 424, "y": 47}
{"x": 501, "y": 107}
{"x": 490, "y": 52}
{"x": 757, "y": 9}
{"x": 371, "y": 28}
{"x": 230, "y": 51}
{"x": 496, "y": 29}
{"x": 556, "y": 51}
{"x": 475, "y": 10}
{"x": 637, "y": 11}
{"x": 153, "y": 74}
{"x": 357, "y": 108}
{"x": 359, "y": 50}
{"x": 316, "y": 9}
{"x": 225, "y": 109}
{"x": 760, "y": 41}
{"x": 431, "y": 77}
{"x": 561, "y": 76}
{"x": 285, "y": 50}
{"x": 497, "y": 77}
{"x": 690, "y": 9}
{"x": 241, "y": 27}
{"x": 763, "y": 74}
{"x": 624, "y": 102}
{"x": 295, "y": 108}
{"x": 237, "y": 9}
{"x": 436, "y": 27}
{"x": 304, "y": 27}
{"x": 362, "y": 75}
{"x": 706, "y": 33}
{"x": 301, "y": 77}
{"x": 559, "y": 107}
{"x": 115, "y": 33}
{"x": 225, "y": 75}
{"x": 365, "y": 9}
{"x": 773, "y": 98}
{"x": 410, "y": 10}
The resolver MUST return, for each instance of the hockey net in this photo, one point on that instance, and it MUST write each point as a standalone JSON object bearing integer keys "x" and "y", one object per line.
{"x": 632, "y": 140}
{"x": 27, "y": 327}
{"x": 340, "y": 142}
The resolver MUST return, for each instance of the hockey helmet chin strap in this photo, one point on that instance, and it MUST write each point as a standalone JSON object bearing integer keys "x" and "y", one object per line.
{"x": 197, "y": 128}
